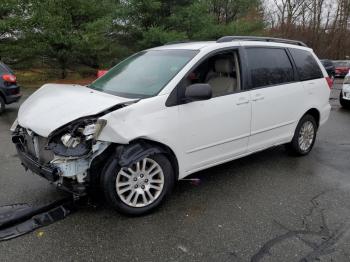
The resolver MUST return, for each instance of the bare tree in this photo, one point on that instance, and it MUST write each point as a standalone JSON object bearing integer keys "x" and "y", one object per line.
{"x": 322, "y": 24}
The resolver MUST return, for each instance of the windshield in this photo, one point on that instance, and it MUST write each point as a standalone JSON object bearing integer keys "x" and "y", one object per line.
{"x": 144, "y": 74}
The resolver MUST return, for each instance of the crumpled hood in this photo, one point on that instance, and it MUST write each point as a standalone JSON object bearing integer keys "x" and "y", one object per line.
{"x": 55, "y": 105}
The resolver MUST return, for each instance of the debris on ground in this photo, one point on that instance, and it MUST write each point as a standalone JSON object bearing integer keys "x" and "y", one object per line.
{"x": 19, "y": 219}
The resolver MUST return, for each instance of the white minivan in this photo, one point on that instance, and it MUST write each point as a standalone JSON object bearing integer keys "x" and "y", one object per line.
{"x": 167, "y": 112}
{"x": 344, "y": 97}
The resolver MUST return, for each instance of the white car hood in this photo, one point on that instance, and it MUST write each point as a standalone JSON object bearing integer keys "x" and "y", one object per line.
{"x": 55, "y": 105}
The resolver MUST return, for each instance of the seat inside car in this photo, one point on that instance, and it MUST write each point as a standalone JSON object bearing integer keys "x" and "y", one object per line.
{"x": 222, "y": 80}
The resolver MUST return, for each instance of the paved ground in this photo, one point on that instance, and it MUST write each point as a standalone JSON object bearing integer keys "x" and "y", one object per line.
{"x": 265, "y": 207}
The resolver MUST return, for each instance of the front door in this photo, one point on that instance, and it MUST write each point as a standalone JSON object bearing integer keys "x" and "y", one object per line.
{"x": 215, "y": 130}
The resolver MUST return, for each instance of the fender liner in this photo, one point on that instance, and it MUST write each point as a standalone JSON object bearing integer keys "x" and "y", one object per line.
{"x": 135, "y": 152}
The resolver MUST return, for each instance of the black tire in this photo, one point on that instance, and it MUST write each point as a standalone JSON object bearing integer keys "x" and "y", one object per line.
{"x": 344, "y": 103}
{"x": 294, "y": 146}
{"x": 108, "y": 181}
{"x": 2, "y": 105}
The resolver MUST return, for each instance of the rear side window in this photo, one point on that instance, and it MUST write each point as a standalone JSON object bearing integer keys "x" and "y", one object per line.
{"x": 307, "y": 67}
{"x": 269, "y": 66}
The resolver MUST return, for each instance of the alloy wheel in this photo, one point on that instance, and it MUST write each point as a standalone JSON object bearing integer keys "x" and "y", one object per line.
{"x": 141, "y": 184}
{"x": 306, "y": 136}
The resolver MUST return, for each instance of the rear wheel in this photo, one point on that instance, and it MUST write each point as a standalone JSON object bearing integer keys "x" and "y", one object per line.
{"x": 304, "y": 136}
{"x": 140, "y": 188}
{"x": 344, "y": 103}
{"x": 2, "y": 105}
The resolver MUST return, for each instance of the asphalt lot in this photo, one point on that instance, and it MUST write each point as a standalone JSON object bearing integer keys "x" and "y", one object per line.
{"x": 265, "y": 207}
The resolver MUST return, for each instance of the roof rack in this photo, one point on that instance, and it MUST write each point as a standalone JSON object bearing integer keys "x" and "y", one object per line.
{"x": 259, "y": 38}
{"x": 177, "y": 42}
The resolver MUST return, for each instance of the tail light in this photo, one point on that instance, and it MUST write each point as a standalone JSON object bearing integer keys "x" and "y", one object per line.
{"x": 329, "y": 82}
{"x": 9, "y": 78}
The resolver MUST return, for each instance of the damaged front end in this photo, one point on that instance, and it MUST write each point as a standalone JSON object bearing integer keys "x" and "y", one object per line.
{"x": 65, "y": 157}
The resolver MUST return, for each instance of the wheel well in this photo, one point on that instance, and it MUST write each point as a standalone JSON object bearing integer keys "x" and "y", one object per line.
{"x": 99, "y": 163}
{"x": 169, "y": 152}
{"x": 315, "y": 113}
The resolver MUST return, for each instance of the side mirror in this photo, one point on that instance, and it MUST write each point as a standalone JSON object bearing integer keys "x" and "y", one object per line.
{"x": 197, "y": 92}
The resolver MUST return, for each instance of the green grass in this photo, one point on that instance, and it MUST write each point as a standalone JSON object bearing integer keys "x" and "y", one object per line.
{"x": 35, "y": 78}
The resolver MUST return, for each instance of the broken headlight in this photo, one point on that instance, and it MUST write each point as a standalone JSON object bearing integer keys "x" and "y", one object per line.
{"x": 69, "y": 141}
{"x": 76, "y": 139}
{"x": 93, "y": 131}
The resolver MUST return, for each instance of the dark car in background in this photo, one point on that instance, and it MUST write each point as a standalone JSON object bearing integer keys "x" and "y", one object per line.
{"x": 9, "y": 90}
{"x": 341, "y": 68}
{"x": 329, "y": 66}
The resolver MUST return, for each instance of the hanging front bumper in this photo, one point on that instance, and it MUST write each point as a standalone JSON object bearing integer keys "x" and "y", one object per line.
{"x": 48, "y": 172}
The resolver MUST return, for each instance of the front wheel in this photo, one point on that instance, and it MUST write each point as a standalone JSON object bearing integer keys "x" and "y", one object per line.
{"x": 304, "y": 136}
{"x": 140, "y": 188}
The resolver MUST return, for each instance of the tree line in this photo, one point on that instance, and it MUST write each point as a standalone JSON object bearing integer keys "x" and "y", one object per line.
{"x": 322, "y": 24}
{"x": 99, "y": 33}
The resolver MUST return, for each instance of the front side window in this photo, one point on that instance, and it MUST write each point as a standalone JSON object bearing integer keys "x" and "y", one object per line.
{"x": 269, "y": 66}
{"x": 221, "y": 71}
{"x": 144, "y": 74}
{"x": 306, "y": 64}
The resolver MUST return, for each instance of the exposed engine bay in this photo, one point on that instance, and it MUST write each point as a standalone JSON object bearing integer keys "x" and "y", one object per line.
{"x": 66, "y": 154}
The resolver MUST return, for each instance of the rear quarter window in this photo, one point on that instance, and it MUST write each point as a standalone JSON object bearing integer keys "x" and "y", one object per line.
{"x": 269, "y": 66}
{"x": 307, "y": 67}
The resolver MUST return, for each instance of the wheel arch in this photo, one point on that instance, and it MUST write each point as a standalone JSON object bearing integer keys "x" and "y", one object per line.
{"x": 164, "y": 149}
{"x": 315, "y": 113}
{"x": 115, "y": 150}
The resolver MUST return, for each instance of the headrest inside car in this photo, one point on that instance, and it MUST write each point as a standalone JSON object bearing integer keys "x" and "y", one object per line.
{"x": 224, "y": 65}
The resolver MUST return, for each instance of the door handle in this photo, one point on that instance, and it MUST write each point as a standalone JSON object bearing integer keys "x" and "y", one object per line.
{"x": 242, "y": 101}
{"x": 258, "y": 97}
